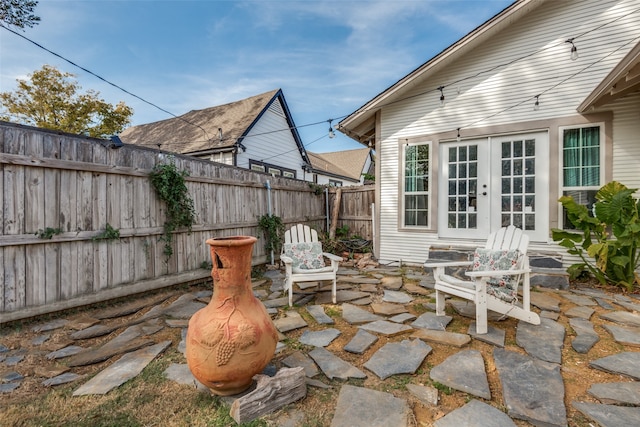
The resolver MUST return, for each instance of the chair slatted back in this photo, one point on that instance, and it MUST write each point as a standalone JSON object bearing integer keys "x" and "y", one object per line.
{"x": 300, "y": 233}
{"x": 508, "y": 238}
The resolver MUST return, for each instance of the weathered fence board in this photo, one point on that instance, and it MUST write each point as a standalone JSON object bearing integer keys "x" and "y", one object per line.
{"x": 79, "y": 185}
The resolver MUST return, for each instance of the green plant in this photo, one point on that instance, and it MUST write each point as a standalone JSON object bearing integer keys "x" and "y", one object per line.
{"x": 109, "y": 233}
{"x": 48, "y": 233}
{"x": 273, "y": 228}
{"x": 170, "y": 186}
{"x": 317, "y": 189}
{"x": 608, "y": 242}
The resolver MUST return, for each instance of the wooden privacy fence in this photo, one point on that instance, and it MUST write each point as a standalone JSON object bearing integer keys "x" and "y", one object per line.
{"x": 355, "y": 213}
{"x": 50, "y": 180}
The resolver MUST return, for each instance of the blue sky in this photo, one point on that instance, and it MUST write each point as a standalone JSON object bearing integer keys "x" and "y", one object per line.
{"x": 328, "y": 57}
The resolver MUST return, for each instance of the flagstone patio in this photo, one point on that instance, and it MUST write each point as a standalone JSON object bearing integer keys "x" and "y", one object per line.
{"x": 395, "y": 362}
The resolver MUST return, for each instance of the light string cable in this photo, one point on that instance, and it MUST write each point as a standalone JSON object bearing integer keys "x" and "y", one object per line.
{"x": 495, "y": 67}
{"x": 529, "y": 99}
{"x": 105, "y": 80}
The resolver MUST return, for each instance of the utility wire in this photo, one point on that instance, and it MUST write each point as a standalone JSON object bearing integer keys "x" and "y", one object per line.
{"x": 104, "y": 80}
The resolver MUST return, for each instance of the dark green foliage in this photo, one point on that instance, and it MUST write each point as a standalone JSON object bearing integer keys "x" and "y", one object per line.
{"x": 109, "y": 233}
{"x": 273, "y": 229}
{"x": 48, "y": 233}
{"x": 608, "y": 243}
{"x": 170, "y": 186}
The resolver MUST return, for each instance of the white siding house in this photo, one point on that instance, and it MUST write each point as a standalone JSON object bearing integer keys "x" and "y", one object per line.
{"x": 521, "y": 124}
{"x": 255, "y": 133}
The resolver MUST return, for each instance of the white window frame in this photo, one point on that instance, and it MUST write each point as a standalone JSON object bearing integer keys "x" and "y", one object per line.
{"x": 428, "y": 193}
{"x": 601, "y": 178}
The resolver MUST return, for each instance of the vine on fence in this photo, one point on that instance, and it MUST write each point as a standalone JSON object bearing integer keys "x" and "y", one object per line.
{"x": 273, "y": 229}
{"x": 170, "y": 186}
{"x": 109, "y": 233}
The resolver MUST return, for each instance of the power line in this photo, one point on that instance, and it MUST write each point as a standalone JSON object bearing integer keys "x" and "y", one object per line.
{"x": 105, "y": 80}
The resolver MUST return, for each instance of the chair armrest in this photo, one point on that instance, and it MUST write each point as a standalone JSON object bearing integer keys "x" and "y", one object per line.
{"x": 286, "y": 259}
{"x": 440, "y": 263}
{"x": 332, "y": 257}
{"x": 496, "y": 273}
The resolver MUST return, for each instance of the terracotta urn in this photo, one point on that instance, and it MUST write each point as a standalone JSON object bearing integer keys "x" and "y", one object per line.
{"x": 232, "y": 338}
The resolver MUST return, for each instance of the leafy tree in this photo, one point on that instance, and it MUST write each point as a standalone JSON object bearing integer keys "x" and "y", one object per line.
{"x": 18, "y": 13}
{"x": 51, "y": 100}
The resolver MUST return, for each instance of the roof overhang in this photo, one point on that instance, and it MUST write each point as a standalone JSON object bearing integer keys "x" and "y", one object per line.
{"x": 360, "y": 125}
{"x": 621, "y": 81}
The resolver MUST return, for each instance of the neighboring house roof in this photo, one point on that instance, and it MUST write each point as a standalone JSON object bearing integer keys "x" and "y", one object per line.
{"x": 360, "y": 125}
{"x": 199, "y": 130}
{"x": 622, "y": 80}
{"x": 347, "y": 164}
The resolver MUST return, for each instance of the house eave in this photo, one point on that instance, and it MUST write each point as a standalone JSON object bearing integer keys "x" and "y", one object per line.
{"x": 621, "y": 81}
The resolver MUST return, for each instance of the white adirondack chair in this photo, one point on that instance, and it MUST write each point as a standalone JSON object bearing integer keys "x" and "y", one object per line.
{"x": 304, "y": 259}
{"x": 496, "y": 272}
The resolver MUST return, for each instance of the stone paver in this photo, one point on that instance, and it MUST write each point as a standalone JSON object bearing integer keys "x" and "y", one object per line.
{"x": 319, "y": 338}
{"x": 463, "y": 371}
{"x": 442, "y": 337}
{"x": 341, "y": 296}
{"x": 475, "y": 414}
{"x": 543, "y": 341}
{"x": 431, "y": 321}
{"x": 393, "y": 282}
{"x": 357, "y": 316}
{"x": 579, "y": 299}
{"x": 292, "y": 320}
{"x": 622, "y": 317}
{"x": 360, "y": 342}
{"x": 609, "y": 415}
{"x": 127, "y": 367}
{"x": 317, "y": 312}
{"x": 65, "y": 378}
{"x": 617, "y": 393}
{"x": 625, "y": 363}
{"x": 494, "y": 336}
{"x": 388, "y": 308}
{"x": 580, "y": 311}
{"x": 402, "y": 317}
{"x": 363, "y": 407}
{"x": 393, "y": 358}
{"x": 545, "y": 301}
{"x": 397, "y": 297}
{"x": 384, "y": 327}
{"x": 334, "y": 367}
{"x": 624, "y": 335}
{"x": 426, "y": 394}
{"x": 299, "y": 359}
{"x": 532, "y": 389}
{"x": 586, "y": 336}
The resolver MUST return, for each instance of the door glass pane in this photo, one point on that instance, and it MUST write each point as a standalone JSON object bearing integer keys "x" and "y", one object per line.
{"x": 518, "y": 183}
{"x": 462, "y": 183}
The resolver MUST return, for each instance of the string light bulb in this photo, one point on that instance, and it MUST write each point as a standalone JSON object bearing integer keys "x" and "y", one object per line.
{"x": 442, "y": 101}
{"x": 458, "y": 137}
{"x": 332, "y": 134}
{"x": 574, "y": 49}
{"x": 536, "y": 105}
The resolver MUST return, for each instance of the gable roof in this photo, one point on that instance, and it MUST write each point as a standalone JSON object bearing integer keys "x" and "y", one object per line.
{"x": 347, "y": 164}
{"x": 199, "y": 130}
{"x": 622, "y": 80}
{"x": 360, "y": 125}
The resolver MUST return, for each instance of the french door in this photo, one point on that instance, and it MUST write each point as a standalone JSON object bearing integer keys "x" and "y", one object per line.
{"x": 489, "y": 183}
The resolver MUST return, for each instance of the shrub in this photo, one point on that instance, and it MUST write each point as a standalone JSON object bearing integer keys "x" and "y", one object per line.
{"x": 607, "y": 242}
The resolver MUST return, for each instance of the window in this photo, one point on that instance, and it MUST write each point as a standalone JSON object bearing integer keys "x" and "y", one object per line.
{"x": 335, "y": 183}
{"x": 272, "y": 170}
{"x": 416, "y": 184}
{"x": 224, "y": 157}
{"x": 581, "y": 166}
